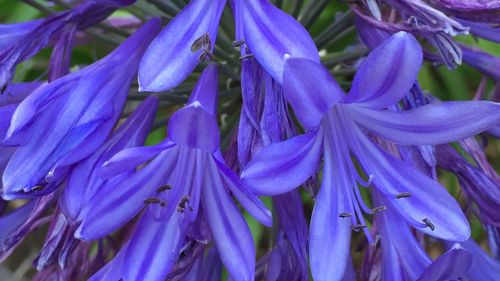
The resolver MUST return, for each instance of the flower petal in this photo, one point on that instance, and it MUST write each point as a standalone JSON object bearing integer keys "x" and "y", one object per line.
{"x": 430, "y": 124}
{"x": 270, "y": 33}
{"x": 84, "y": 180}
{"x": 310, "y": 89}
{"x": 153, "y": 248}
{"x": 170, "y": 58}
{"x": 388, "y": 73}
{"x": 484, "y": 267}
{"x": 230, "y": 231}
{"x": 393, "y": 177}
{"x": 330, "y": 235}
{"x": 198, "y": 116}
{"x": 130, "y": 158}
{"x": 281, "y": 167}
{"x": 194, "y": 127}
{"x": 248, "y": 200}
{"x": 449, "y": 266}
{"x": 113, "y": 206}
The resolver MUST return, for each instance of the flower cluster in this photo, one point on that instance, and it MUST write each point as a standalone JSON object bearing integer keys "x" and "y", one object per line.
{"x": 268, "y": 142}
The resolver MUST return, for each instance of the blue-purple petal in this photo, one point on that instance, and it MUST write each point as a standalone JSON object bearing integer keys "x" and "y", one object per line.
{"x": 169, "y": 59}
{"x": 388, "y": 73}
{"x": 153, "y": 249}
{"x": 248, "y": 200}
{"x": 393, "y": 177}
{"x": 115, "y": 205}
{"x": 453, "y": 264}
{"x": 281, "y": 167}
{"x": 270, "y": 34}
{"x": 330, "y": 235}
{"x": 231, "y": 233}
{"x": 430, "y": 124}
{"x": 310, "y": 89}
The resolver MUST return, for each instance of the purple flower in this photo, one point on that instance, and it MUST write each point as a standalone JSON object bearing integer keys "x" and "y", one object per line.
{"x": 194, "y": 182}
{"x": 64, "y": 121}
{"x": 173, "y": 54}
{"x": 32, "y": 36}
{"x": 337, "y": 125}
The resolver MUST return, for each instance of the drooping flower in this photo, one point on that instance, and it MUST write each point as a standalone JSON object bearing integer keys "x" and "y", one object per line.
{"x": 187, "y": 39}
{"x": 337, "y": 126}
{"x": 426, "y": 18}
{"x": 64, "y": 121}
{"x": 422, "y": 19}
{"x": 482, "y": 61}
{"x": 194, "y": 182}
{"x": 476, "y": 10}
{"x": 483, "y": 30}
{"x": 26, "y": 39}
{"x": 481, "y": 190}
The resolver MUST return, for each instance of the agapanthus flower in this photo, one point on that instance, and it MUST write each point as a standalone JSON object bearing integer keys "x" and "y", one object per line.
{"x": 66, "y": 120}
{"x": 184, "y": 181}
{"x": 403, "y": 256}
{"x": 337, "y": 125}
{"x": 26, "y": 39}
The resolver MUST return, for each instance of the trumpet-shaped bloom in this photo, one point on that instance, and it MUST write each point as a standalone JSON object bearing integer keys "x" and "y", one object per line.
{"x": 185, "y": 177}
{"x": 64, "y": 121}
{"x": 337, "y": 127}
{"x": 180, "y": 46}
